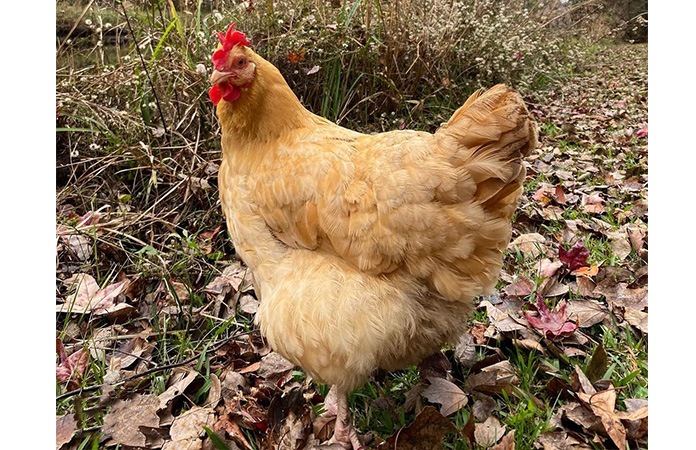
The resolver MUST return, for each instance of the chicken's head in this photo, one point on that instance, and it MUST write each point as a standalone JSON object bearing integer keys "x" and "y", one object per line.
{"x": 233, "y": 69}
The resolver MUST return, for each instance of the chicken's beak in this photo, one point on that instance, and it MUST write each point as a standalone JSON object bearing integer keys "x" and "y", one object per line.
{"x": 218, "y": 77}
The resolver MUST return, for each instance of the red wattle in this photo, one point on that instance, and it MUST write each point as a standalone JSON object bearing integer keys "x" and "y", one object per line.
{"x": 224, "y": 91}
{"x": 214, "y": 94}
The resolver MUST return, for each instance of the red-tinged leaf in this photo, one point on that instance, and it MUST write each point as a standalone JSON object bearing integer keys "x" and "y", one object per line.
{"x": 85, "y": 221}
{"x": 71, "y": 368}
{"x": 643, "y": 132}
{"x": 547, "y": 268}
{"x": 90, "y": 218}
{"x": 519, "y": 288}
{"x": 560, "y": 195}
{"x": 88, "y": 298}
{"x": 574, "y": 258}
{"x": 210, "y": 235}
{"x": 553, "y": 324}
{"x": 541, "y": 196}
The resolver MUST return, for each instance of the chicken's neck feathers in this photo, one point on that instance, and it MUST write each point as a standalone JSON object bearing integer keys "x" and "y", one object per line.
{"x": 266, "y": 111}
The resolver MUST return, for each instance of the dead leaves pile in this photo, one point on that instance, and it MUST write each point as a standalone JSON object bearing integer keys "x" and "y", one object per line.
{"x": 243, "y": 397}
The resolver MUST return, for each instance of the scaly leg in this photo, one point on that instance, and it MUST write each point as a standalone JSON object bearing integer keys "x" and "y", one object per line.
{"x": 344, "y": 433}
{"x": 331, "y": 402}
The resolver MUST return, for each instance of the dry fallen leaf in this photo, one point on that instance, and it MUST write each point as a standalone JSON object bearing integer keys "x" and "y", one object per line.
{"x": 484, "y": 405}
{"x": 494, "y": 379}
{"x": 586, "y": 313}
{"x": 447, "y": 394}
{"x": 598, "y": 365}
{"x": 248, "y": 305}
{"x": 187, "y": 429}
{"x": 501, "y": 319}
{"x": 620, "y": 245}
{"x": 233, "y": 275}
{"x": 179, "y": 381}
{"x": 531, "y": 244}
{"x": 465, "y": 350}
{"x": 123, "y": 422}
{"x": 561, "y": 440}
{"x": 489, "y": 432}
{"x": 507, "y": 443}
{"x": 637, "y": 318}
{"x": 427, "y": 431}
{"x": 66, "y": 426}
{"x": 592, "y": 204}
{"x": 275, "y": 369}
{"x": 602, "y": 404}
{"x": 635, "y": 417}
{"x": 586, "y": 271}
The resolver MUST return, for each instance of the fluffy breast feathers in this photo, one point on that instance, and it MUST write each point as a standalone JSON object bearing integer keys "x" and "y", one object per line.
{"x": 435, "y": 207}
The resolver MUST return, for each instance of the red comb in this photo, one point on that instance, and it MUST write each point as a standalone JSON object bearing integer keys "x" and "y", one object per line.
{"x": 232, "y": 38}
{"x": 228, "y": 40}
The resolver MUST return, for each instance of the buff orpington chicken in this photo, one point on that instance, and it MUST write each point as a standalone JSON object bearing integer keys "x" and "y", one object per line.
{"x": 366, "y": 250}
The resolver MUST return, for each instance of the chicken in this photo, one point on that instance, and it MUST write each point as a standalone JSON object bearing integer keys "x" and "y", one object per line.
{"x": 366, "y": 250}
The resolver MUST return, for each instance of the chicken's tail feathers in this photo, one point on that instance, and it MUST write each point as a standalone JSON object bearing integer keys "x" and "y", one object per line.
{"x": 492, "y": 132}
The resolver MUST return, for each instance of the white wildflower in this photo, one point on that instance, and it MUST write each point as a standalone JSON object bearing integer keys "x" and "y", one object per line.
{"x": 201, "y": 70}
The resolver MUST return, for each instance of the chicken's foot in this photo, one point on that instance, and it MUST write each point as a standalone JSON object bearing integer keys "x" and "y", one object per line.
{"x": 344, "y": 433}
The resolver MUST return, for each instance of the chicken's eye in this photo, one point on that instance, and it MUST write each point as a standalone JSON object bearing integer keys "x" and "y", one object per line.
{"x": 241, "y": 62}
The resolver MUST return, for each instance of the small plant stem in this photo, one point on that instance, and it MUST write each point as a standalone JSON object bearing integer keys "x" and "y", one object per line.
{"x": 147, "y": 73}
{"x": 96, "y": 387}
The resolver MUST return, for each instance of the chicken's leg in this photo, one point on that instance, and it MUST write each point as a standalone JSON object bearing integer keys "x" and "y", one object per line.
{"x": 344, "y": 433}
{"x": 331, "y": 402}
